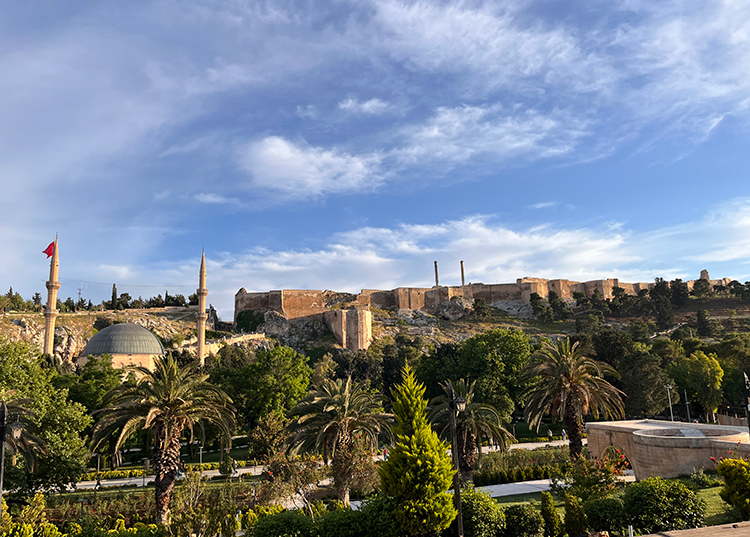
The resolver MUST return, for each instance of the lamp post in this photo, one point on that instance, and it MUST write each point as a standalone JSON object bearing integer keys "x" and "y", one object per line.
{"x": 458, "y": 404}
{"x": 669, "y": 396}
{"x": 15, "y": 429}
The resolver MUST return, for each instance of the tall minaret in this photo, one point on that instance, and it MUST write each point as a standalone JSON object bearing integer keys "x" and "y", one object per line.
{"x": 202, "y": 316}
{"x": 50, "y": 313}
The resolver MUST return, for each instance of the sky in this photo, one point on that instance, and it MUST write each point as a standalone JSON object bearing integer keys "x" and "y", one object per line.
{"x": 348, "y": 144}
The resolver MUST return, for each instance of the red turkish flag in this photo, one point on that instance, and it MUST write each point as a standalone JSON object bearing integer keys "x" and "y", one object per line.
{"x": 49, "y": 250}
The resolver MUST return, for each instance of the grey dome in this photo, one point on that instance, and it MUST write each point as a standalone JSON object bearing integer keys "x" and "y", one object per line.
{"x": 123, "y": 338}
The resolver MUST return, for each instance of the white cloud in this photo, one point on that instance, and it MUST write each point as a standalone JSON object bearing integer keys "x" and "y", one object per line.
{"x": 309, "y": 111}
{"x": 543, "y": 205}
{"x": 300, "y": 170}
{"x": 212, "y": 198}
{"x": 372, "y": 106}
{"x": 462, "y": 133}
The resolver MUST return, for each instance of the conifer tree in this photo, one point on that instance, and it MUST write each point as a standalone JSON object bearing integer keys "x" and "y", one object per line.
{"x": 113, "y": 304}
{"x": 418, "y": 470}
{"x": 552, "y": 523}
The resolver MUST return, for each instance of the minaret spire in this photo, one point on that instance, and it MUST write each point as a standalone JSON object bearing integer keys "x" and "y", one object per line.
{"x": 51, "y": 312}
{"x": 202, "y": 316}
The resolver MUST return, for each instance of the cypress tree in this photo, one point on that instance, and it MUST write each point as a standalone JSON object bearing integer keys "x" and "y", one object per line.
{"x": 418, "y": 470}
{"x": 552, "y": 523}
{"x": 576, "y": 524}
{"x": 114, "y": 297}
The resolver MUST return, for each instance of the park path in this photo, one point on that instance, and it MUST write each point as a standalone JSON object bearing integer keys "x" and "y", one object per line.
{"x": 257, "y": 470}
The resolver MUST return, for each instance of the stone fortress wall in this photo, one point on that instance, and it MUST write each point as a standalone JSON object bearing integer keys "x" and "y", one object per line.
{"x": 351, "y": 322}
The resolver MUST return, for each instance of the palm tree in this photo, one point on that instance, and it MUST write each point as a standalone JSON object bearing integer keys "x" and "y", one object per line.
{"x": 165, "y": 401}
{"x": 477, "y": 421}
{"x": 337, "y": 419}
{"x": 28, "y": 445}
{"x": 570, "y": 386}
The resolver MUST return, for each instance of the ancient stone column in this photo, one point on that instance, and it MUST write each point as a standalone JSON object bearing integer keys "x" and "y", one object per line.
{"x": 51, "y": 312}
{"x": 437, "y": 282}
{"x": 202, "y": 315}
{"x": 463, "y": 277}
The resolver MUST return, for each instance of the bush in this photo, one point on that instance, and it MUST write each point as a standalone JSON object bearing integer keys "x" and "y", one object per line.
{"x": 342, "y": 523}
{"x": 378, "y": 517}
{"x": 605, "y": 514}
{"x": 481, "y": 514}
{"x": 657, "y": 504}
{"x": 736, "y": 491}
{"x": 575, "y": 519}
{"x": 552, "y": 523}
{"x": 587, "y": 479}
{"x": 523, "y": 520}
{"x": 284, "y": 524}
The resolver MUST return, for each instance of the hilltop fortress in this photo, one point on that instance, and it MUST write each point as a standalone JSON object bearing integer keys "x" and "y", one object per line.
{"x": 350, "y": 319}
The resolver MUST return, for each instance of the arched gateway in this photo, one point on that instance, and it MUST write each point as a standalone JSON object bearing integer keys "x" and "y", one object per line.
{"x": 667, "y": 448}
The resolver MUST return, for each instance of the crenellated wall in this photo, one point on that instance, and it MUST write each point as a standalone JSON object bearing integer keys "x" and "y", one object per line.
{"x": 352, "y": 324}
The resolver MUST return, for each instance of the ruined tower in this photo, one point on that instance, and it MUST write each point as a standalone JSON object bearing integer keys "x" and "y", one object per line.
{"x": 202, "y": 315}
{"x": 51, "y": 312}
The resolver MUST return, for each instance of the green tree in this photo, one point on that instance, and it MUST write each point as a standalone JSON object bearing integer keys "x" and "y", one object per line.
{"x": 611, "y": 344}
{"x": 701, "y": 375}
{"x": 496, "y": 359}
{"x": 263, "y": 382}
{"x": 166, "y": 401}
{"x": 707, "y": 327}
{"x": 702, "y": 288}
{"x": 541, "y": 308}
{"x": 330, "y": 419}
{"x": 56, "y": 421}
{"x": 552, "y": 522}
{"x": 560, "y": 308}
{"x": 570, "y": 386}
{"x": 418, "y": 470}
{"x": 477, "y": 422}
{"x": 97, "y": 377}
{"x": 113, "y": 301}
{"x": 643, "y": 380}
{"x": 576, "y": 524}
{"x": 680, "y": 293}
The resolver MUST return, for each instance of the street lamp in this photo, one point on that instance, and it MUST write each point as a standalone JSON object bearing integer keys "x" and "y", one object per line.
{"x": 457, "y": 404}
{"x": 15, "y": 429}
{"x": 669, "y": 396}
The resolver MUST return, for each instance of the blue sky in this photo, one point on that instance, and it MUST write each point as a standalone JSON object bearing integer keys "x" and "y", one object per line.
{"x": 346, "y": 145}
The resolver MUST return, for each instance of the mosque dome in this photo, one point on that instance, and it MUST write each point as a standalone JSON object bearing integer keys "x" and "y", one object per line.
{"x": 124, "y": 338}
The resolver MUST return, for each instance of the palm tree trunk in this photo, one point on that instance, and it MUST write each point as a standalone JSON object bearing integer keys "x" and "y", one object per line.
{"x": 575, "y": 431}
{"x": 166, "y": 464}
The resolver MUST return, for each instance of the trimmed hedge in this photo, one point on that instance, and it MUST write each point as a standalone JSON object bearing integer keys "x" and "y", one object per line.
{"x": 530, "y": 473}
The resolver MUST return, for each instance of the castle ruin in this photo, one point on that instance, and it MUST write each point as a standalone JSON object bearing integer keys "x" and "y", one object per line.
{"x": 351, "y": 320}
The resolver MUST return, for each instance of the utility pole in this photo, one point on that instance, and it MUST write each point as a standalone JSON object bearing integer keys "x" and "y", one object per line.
{"x": 669, "y": 396}
{"x": 687, "y": 406}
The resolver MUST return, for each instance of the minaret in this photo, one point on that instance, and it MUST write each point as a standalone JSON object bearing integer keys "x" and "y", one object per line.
{"x": 50, "y": 313}
{"x": 202, "y": 316}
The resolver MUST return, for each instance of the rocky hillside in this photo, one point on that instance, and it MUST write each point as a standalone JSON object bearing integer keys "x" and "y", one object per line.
{"x": 73, "y": 330}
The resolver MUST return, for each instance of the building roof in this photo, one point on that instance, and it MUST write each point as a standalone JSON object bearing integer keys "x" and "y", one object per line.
{"x": 124, "y": 338}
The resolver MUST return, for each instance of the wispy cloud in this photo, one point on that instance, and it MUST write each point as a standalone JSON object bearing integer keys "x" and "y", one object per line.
{"x": 212, "y": 198}
{"x": 300, "y": 170}
{"x": 544, "y": 205}
{"x": 371, "y": 106}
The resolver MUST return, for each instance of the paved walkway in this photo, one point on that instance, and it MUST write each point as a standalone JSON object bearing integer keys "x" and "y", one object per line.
{"x": 738, "y": 529}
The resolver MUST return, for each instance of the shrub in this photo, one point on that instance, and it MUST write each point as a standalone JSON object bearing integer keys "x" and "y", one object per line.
{"x": 657, "y": 504}
{"x": 482, "y": 515}
{"x": 575, "y": 519}
{"x": 605, "y": 514}
{"x": 284, "y": 524}
{"x": 378, "y": 516}
{"x": 587, "y": 479}
{"x": 341, "y": 523}
{"x": 736, "y": 491}
{"x": 702, "y": 480}
{"x": 552, "y": 523}
{"x": 523, "y": 520}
